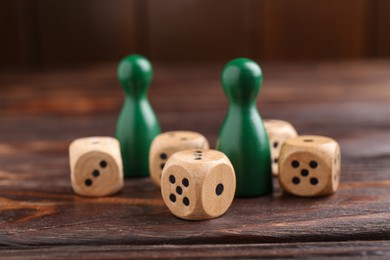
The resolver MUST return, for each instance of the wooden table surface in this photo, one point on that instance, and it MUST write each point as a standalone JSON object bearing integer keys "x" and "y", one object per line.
{"x": 42, "y": 112}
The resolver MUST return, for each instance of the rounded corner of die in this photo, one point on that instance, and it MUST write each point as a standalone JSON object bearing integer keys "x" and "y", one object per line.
{"x": 72, "y": 143}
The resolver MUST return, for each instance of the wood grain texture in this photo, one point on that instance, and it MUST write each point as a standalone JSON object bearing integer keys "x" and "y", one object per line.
{"x": 11, "y": 49}
{"x": 345, "y": 250}
{"x": 197, "y": 30}
{"x": 323, "y": 29}
{"x": 42, "y": 112}
{"x": 47, "y": 33}
{"x": 85, "y": 31}
{"x": 381, "y": 21}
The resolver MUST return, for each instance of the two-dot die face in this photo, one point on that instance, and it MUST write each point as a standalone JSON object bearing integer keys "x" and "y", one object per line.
{"x": 198, "y": 184}
{"x": 278, "y": 132}
{"x": 96, "y": 166}
{"x": 166, "y": 144}
{"x": 310, "y": 166}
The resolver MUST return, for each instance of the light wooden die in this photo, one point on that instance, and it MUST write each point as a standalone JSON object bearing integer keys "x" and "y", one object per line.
{"x": 278, "y": 132}
{"x": 96, "y": 166}
{"x": 198, "y": 184}
{"x": 168, "y": 143}
{"x": 310, "y": 166}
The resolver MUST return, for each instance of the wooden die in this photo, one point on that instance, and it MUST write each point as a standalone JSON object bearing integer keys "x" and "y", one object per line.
{"x": 198, "y": 184}
{"x": 96, "y": 166}
{"x": 310, "y": 166}
{"x": 166, "y": 144}
{"x": 278, "y": 132}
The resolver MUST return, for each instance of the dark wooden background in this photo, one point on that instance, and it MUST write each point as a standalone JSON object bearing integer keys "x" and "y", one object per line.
{"x": 43, "y": 33}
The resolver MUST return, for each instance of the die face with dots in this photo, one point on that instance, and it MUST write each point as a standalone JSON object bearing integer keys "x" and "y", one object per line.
{"x": 96, "y": 166}
{"x": 166, "y": 144}
{"x": 180, "y": 199}
{"x": 198, "y": 184}
{"x": 278, "y": 132}
{"x": 310, "y": 166}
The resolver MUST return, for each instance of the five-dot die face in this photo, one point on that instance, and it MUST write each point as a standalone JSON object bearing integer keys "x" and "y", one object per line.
{"x": 310, "y": 166}
{"x": 307, "y": 173}
{"x": 198, "y": 184}
{"x": 181, "y": 193}
{"x": 96, "y": 166}
{"x": 166, "y": 144}
{"x": 278, "y": 132}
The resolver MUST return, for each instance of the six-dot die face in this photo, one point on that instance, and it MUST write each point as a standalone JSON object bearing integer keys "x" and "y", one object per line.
{"x": 198, "y": 184}
{"x": 310, "y": 166}
{"x": 96, "y": 166}
{"x": 166, "y": 144}
{"x": 278, "y": 132}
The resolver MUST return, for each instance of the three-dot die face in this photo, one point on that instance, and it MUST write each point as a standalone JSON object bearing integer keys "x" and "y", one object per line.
{"x": 96, "y": 168}
{"x": 166, "y": 144}
{"x": 310, "y": 166}
{"x": 198, "y": 184}
{"x": 96, "y": 174}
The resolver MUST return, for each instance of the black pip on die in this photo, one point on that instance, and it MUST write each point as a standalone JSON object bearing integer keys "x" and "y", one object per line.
{"x": 310, "y": 166}
{"x": 278, "y": 132}
{"x": 96, "y": 166}
{"x": 166, "y": 144}
{"x": 198, "y": 184}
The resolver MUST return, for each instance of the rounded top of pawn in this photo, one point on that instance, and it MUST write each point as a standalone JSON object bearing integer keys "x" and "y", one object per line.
{"x": 135, "y": 74}
{"x": 241, "y": 80}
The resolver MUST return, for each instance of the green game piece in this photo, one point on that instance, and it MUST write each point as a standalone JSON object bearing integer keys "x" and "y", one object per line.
{"x": 137, "y": 124}
{"x": 243, "y": 137}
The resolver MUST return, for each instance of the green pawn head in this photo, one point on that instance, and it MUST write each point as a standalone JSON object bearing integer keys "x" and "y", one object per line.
{"x": 241, "y": 80}
{"x": 135, "y": 74}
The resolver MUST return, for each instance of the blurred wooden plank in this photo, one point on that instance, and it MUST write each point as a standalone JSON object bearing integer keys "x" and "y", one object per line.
{"x": 85, "y": 31}
{"x": 55, "y": 32}
{"x": 382, "y": 26}
{"x": 187, "y": 30}
{"x": 344, "y": 250}
{"x": 305, "y": 29}
{"x": 30, "y": 40}
{"x": 10, "y": 34}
